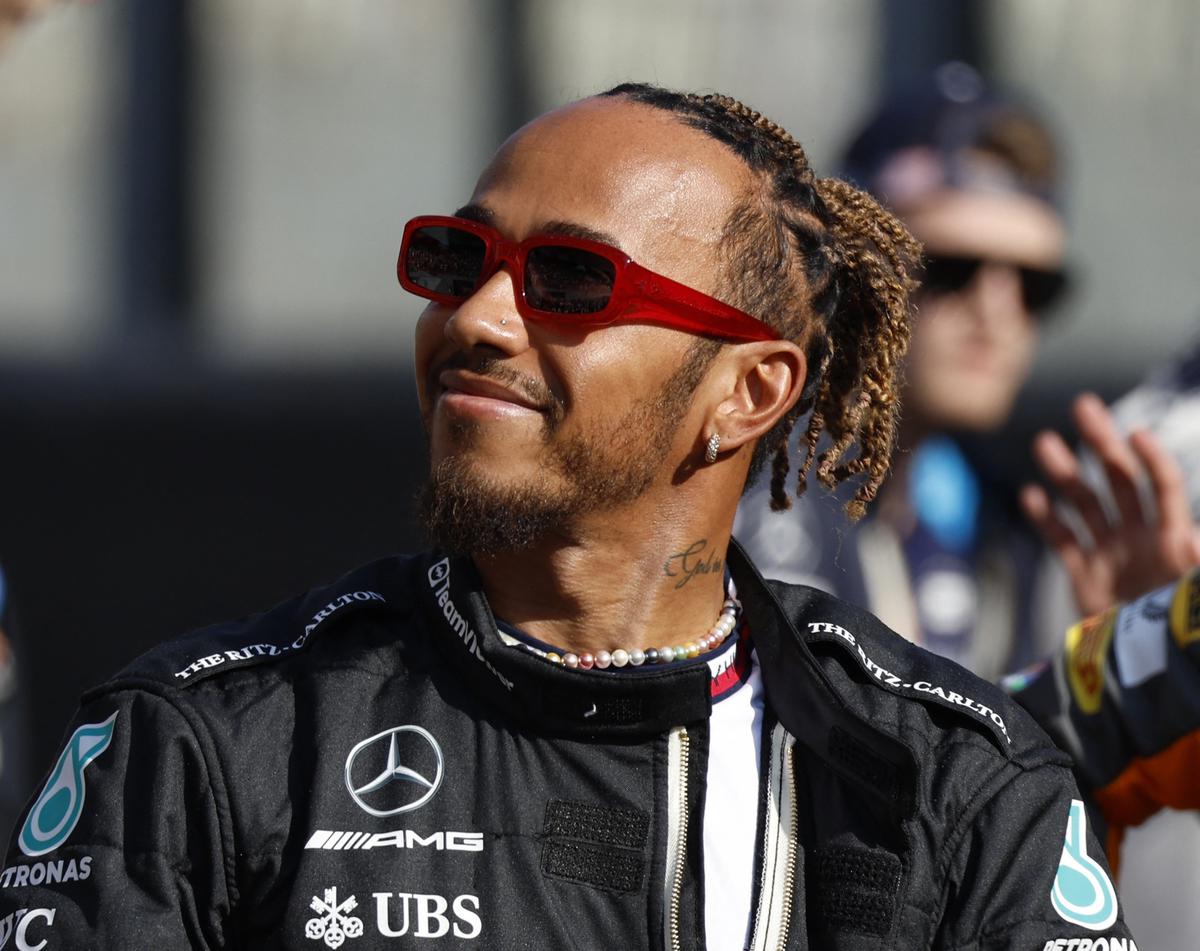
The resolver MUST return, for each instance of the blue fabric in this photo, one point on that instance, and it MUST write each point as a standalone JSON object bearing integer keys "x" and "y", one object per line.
{"x": 944, "y": 494}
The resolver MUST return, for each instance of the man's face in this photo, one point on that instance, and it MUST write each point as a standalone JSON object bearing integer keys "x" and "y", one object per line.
{"x": 972, "y": 348}
{"x": 532, "y": 425}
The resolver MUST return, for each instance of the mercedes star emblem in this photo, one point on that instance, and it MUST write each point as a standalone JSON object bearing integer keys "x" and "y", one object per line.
{"x": 400, "y": 780}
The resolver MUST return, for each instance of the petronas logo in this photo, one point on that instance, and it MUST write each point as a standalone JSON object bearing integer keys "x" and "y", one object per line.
{"x": 60, "y": 804}
{"x": 1083, "y": 894}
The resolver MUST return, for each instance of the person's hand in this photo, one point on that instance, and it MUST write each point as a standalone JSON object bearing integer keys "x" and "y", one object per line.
{"x": 1135, "y": 548}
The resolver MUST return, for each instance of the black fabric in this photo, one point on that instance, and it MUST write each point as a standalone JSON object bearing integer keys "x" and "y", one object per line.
{"x": 596, "y": 845}
{"x": 371, "y": 761}
{"x": 625, "y": 828}
{"x": 858, "y": 759}
{"x": 854, "y": 889}
{"x": 618, "y": 869}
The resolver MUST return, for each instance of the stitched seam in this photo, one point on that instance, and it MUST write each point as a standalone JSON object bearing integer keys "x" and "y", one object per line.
{"x": 220, "y": 798}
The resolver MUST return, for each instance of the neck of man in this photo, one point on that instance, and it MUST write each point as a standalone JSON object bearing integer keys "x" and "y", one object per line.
{"x": 642, "y": 576}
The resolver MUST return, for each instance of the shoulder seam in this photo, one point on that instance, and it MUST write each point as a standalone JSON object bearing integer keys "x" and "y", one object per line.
{"x": 212, "y": 768}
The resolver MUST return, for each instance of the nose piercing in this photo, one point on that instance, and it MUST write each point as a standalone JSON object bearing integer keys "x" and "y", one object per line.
{"x": 503, "y": 321}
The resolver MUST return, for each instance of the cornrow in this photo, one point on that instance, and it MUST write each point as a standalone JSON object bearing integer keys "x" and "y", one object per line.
{"x": 826, "y": 266}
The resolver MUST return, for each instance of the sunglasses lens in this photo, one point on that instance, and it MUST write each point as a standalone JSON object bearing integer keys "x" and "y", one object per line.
{"x": 947, "y": 274}
{"x": 563, "y": 280}
{"x": 1042, "y": 289}
{"x": 446, "y": 261}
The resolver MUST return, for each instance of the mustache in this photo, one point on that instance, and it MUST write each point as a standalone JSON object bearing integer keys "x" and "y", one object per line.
{"x": 493, "y": 367}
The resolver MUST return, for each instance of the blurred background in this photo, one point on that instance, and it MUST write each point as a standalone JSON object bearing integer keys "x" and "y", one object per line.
{"x": 205, "y": 393}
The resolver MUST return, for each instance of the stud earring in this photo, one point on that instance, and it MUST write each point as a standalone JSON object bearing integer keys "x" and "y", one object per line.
{"x": 712, "y": 447}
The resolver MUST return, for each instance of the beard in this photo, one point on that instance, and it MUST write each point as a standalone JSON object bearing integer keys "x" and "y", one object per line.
{"x": 610, "y": 464}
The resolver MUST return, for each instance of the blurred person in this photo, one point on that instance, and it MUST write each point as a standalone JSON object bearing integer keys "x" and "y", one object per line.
{"x": 945, "y": 558}
{"x": 1123, "y": 698}
{"x": 1122, "y": 694}
{"x": 536, "y": 735}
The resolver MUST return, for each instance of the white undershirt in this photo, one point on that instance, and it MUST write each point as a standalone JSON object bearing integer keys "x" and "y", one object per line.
{"x": 731, "y": 812}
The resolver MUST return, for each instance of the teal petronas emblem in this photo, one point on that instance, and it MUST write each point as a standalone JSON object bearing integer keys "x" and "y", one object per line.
{"x": 57, "y": 810}
{"x": 1083, "y": 894}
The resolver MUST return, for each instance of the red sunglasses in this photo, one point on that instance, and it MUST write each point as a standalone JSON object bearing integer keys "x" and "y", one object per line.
{"x": 559, "y": 278}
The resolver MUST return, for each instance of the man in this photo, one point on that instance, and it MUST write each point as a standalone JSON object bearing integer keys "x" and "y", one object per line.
{"x": 585, "y": 721}
{"x": 944, "y": 558}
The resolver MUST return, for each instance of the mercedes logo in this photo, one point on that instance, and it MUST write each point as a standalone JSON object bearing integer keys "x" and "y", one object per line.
{"x": 395, "y": 771}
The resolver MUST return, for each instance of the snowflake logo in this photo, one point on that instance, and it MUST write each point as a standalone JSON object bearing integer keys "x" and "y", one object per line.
{"x": 334, "y": 923}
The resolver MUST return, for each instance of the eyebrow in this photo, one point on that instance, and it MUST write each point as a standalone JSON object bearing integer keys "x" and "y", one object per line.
{"x": 567, "y": 229}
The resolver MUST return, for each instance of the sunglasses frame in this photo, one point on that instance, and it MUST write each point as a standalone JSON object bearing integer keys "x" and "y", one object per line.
{"x": 1055, "y": 283}
{"x": 638, "y": 294}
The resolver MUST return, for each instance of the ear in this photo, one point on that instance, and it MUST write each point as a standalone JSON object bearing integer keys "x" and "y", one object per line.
{"x": 761, "y": 382}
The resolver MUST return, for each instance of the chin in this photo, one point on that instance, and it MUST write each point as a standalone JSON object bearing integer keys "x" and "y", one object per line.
{"x": 964, "y": 408}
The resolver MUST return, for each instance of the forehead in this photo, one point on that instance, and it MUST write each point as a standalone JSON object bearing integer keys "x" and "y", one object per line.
{"x": 662, "y": 189}
{"x": 1007, "y": 227}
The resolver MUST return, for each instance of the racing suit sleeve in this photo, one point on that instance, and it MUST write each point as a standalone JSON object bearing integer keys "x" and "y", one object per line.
{"x": 1026, "y": 872}
{"x": 122, "y": 847}
{"x": 1123, "y": 698}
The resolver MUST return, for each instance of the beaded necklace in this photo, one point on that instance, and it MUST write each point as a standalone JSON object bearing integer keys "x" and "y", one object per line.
{"x": 620, "y": 657}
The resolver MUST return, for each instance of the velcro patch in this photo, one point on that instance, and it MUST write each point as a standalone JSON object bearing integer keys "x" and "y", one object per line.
{"x": 618, "y": 870}
{"x": 595, "y": 845}
{"x": 853, "y": 889}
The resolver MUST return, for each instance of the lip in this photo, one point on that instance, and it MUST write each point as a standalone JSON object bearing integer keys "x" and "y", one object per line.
{"x": 466, "y": 389}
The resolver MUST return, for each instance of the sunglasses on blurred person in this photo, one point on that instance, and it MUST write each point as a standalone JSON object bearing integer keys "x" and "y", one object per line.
{"x": 949, "y": 273}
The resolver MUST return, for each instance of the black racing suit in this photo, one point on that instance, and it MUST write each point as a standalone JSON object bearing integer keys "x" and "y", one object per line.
{"x": 371, "y": 767}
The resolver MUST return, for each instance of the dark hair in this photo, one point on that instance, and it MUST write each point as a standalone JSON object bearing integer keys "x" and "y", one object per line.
{"x": 826, "y": 266}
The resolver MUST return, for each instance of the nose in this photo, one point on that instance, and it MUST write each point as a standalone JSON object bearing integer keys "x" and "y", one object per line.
{"x": 995, "y": 299}
{"x": 489, "y": 317}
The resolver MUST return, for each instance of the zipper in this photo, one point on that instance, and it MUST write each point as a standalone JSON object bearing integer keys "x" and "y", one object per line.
{"x": 777, "y": 884}
{"x": 789, "y": 870}
{"x": 678, "y": 745}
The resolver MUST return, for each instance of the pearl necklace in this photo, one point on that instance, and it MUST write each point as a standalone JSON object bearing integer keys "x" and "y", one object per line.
{"x": 619, "y": 657}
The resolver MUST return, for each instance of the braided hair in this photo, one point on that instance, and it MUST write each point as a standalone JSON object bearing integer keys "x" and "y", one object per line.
{"x": 826, "y": 266}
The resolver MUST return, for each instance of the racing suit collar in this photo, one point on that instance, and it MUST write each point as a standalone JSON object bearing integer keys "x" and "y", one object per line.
{"x": 554, "y": 699}
{"x": 610, "y": 704}
{"x": 810, "y": 706}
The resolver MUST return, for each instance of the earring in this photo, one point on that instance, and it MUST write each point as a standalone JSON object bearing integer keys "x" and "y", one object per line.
{"x": 712, "y": 447}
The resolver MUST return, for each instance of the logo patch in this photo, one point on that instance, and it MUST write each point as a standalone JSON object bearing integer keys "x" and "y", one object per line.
{"x": 395, "y": 771}
{"x": 16, "y": 925}
{"x": 60, "y": 804}
{"x": 1087, "y": 647}
{"x": 1082, "y": 894}
{"x": 1185, "y": 611}
{"x": 333, "y": 923}
{"x": 1140, "y": 641}
{"x": 894, "y": 681}
{"x": 1019, "y": 680}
